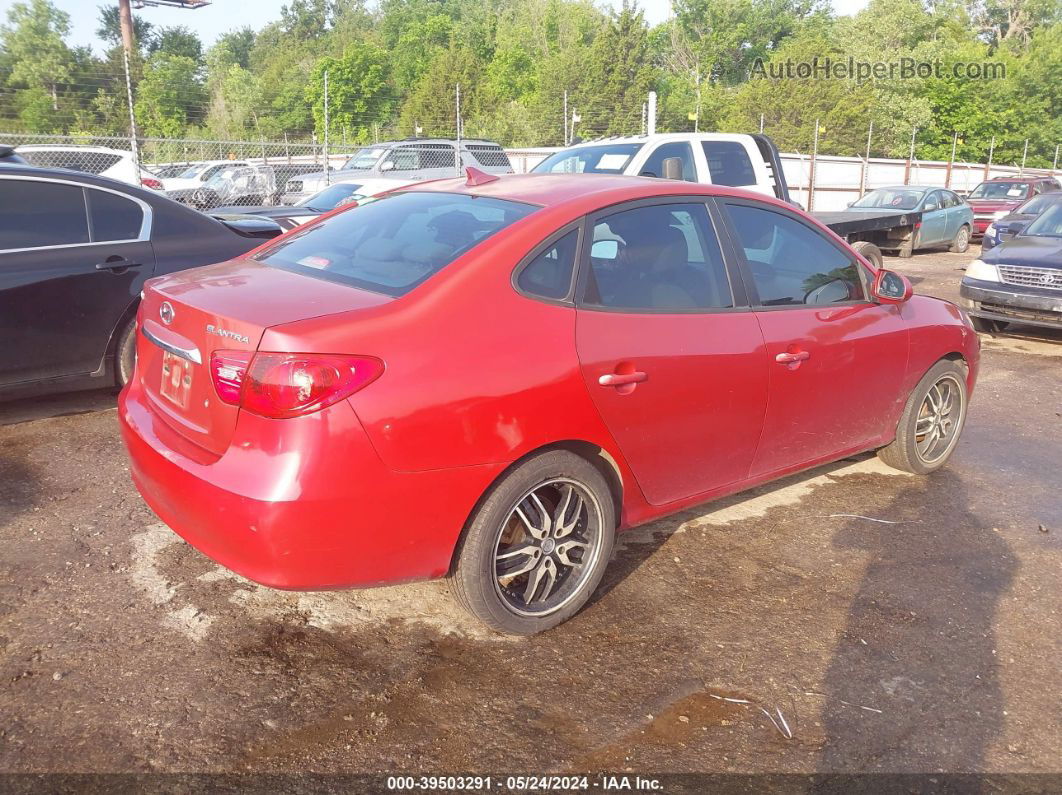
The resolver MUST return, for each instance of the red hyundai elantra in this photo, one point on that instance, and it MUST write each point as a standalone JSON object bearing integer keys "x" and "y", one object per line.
{"x": 488, "y": 378}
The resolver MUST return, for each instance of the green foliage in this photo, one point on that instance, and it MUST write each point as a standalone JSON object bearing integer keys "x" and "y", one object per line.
{"x": 34, "y": 38}
{"x": 178, "y": 40}
{"x": 168, "y": 95}
{"x": 357, "y": 91}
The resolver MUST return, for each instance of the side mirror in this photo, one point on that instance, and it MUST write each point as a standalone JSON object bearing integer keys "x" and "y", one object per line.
{"x": 388, "y": 166}
{"x": 1015, "y": 228}
{"x": 672, "y": 168}
{"x": 891, "y": 287}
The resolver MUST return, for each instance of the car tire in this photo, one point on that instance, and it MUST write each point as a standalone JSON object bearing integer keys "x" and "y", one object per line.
{"x": 125, "y": 354}
{"x": 537, "y": 545}
{"x": 987, "y": 326}
{"x": 939, "y": 402}
{"x": 962, "y": 240}
{"x": 907, "y": 250}
{"x": 870, "y": 252}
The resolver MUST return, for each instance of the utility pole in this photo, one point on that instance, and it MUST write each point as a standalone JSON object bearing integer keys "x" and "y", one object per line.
{"x": 811, "y": 172}
{"x": 991, "y": 151}
{"x": 951, "y": 162}
{"x": 125, "y": 19}
{"x": 1024, "y": 153}
{"x": 910, "y": 158}
{"x": 328, "y": 179}
{"x": 697, "y": 112}
{"x": 866, "y": 162}
{"x": 134, "y": 146}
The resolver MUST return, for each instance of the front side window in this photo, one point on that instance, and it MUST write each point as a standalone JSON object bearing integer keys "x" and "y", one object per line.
{"x": 729, "y": 163}
{"x": 601, "y": 159}
{"x": 792, "y": 264}
{"x": 393, "y": 244}
{"x": 113, "y": 217}
{"x": 654, "y": 165}
{"x": 933, "y": 202}
{"x": 658, "y": 257}
{"x": 549, "y": 275}
{"x": 1048, "y": 224}
{"x": 35, "y": 214}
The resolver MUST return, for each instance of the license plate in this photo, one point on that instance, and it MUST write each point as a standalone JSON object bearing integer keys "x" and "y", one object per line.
{"x": 176, "y": 384}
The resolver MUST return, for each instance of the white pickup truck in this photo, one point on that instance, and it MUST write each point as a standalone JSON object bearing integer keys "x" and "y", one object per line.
{"x": 739, "y": 160}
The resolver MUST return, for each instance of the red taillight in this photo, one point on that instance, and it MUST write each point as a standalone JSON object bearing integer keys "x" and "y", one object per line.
{"x": 150, "y": 182}
{"x": 283, "y": 385}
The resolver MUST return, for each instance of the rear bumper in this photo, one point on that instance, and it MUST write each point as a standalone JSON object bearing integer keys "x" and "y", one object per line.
{"x": 995, "y": 301}
{"x": 302, "y": 504}
{"x": 980, "y": 225}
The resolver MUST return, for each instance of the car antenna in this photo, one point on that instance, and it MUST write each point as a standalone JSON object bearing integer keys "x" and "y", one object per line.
{"x": 477, "y": 177}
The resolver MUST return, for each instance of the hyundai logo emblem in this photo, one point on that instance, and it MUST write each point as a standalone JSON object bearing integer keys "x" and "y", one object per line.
{"x": 166, "y": 312}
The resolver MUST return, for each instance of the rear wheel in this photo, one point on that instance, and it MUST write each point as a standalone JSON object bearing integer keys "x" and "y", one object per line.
{"x": 125, "y": 354}
{"x": 961, "y": 241}
{"x": 537, "y": 547}
{"x": 986, "y": 326}
{"x": 870, "y": 252}
{"x": 931, "y": 421}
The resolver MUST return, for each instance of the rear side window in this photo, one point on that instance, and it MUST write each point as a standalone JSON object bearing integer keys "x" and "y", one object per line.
{"x": 34, "y": 214}
{"x": 792, "y": 264}
{"x": 728, "y": 163}
{"x": 393, "y": 244}
{"x": 113, "y": 217}
{"x": 549, "y": 275}
{"x": 413, "y": 158}
{"x": 490, "y": 156}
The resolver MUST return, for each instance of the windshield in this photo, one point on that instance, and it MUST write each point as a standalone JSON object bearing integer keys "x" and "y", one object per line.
{"x": 603, "y": 159}
{"x": 1000, "y": 190}
{"x": 891, "y": 198}
{"x": 220, "y": 176}
{"x": 190, "y": 173}
{"x": 393, "y": 244}
{"x": 331, "y": 197}
{"x": 1037, "y": 204}
{"x": 364, "y": 158}
{"x": 1049, "y": 224}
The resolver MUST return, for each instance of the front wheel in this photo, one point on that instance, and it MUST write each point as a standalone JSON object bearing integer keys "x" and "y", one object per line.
{"x": 931, "y": 421}
{"x": 537, "y": 547}
{"x": 961, "y": 241}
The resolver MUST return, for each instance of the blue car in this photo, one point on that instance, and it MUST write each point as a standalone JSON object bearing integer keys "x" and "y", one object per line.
{"x": 947, "y": 220}
{"x": 1002, "y": 229}
{"x": 1019, "y": 280}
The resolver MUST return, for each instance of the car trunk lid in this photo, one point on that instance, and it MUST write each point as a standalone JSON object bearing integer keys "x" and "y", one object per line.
{"x": 187, "y": 316}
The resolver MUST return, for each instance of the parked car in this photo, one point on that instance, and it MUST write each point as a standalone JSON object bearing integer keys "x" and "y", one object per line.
{"x": 113, "y": 163}
{"x": 195, "y": 175}
{"x": 230, "y": 185}
{"x": 1002, "y": 229}
{"x": 75, "y": 251}
{"x": 998, "y": 197}
{"x": 487, "y": 377}
{"x": 8, "y": 155}
{"x": 411, "y": 160}
{"x": 947, "y": 220}
{"x": 338, "y": 195}
{"x": 285, "y": 171}
{"x": 1019, "y": 280}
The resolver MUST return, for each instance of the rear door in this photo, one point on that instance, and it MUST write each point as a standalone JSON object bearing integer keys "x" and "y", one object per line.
{"x": 73, "y": 259}
{"x": 669, "y": 351}
{"x": 836, "y": 358}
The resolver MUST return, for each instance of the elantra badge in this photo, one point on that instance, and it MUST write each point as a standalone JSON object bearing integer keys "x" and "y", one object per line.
{"x": 224, "y": 332}
{"x": 166, "y": 312}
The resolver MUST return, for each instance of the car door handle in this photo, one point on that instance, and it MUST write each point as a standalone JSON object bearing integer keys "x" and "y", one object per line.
{"x": 792, "y": 358}
{"x": 116, "y": 263}
{"x": 622, "y": 379}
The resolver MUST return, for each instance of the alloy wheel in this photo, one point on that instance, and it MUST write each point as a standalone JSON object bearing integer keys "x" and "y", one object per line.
{"x": 939, "y": 419}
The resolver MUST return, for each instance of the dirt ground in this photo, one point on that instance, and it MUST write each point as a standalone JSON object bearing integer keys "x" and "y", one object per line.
{"x": 925, "y": 645}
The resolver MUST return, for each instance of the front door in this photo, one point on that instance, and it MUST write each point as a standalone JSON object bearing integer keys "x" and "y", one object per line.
{"x": 673, "y": 359}
{"x": 934, "y": 229}
{"x": 73, "y": 259}
{"x": 836, "y": 358}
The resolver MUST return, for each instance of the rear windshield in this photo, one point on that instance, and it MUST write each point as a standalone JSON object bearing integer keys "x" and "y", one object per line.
{"x": 602, "y": 159}
{"x": 393, "y": 244}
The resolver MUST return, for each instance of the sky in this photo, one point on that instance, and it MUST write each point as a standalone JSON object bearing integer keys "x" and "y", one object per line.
{"x": 225, "y": 15}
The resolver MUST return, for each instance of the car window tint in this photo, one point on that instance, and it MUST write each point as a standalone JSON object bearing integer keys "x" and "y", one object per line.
{"x": 393, "y": 244}
{"x": 549, "y": 275}
{"x": 114, "y": 217}
{"x": 654, "y": 165}
{"x": 658, "y": 257}
{"x": 41, "y": 214}
{"x": 791, "y": 263}
{"x": 728, "y": 163}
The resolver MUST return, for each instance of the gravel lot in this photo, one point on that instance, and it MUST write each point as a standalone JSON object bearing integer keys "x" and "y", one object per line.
{"x": 931, "y": 644}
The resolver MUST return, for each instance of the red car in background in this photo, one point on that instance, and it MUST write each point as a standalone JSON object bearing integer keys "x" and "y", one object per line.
{"x": 1000, "y": 196}
{"x": 488, "y": 378}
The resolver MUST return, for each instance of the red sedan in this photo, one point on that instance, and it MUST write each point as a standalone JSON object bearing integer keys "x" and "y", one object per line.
{"x": 488, "y": 378}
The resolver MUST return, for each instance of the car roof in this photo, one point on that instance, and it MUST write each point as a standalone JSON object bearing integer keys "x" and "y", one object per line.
{"x": 597, "y": 190}
{"x": 71, "y": 175}
{"x": 73, "y": 148}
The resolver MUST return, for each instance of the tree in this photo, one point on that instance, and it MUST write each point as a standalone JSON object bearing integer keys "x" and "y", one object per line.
{"x": 357, "y": 91}
{"x": 169, "y": 96}
{"x": 110, "y": 28}
{"x": 35, "y": 39}
{"x": 178, "y": 40}
{"x": 234, "y": 103}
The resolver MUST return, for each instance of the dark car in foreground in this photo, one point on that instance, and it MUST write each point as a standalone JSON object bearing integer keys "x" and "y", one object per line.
{"x": 1000, "y": 196}
{"x": 9, "y": 155}
{"x": 1003, "y": 229}
{"x": 75, "y": 251}
{"x": 488, "y": 378}
{"x": 1019, "y": 281}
